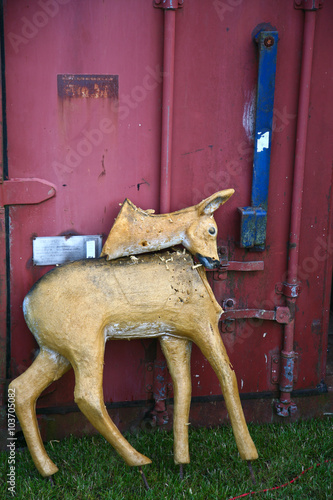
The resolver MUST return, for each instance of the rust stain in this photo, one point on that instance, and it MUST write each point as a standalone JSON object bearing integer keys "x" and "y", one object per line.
{"x": 88, "y": 86}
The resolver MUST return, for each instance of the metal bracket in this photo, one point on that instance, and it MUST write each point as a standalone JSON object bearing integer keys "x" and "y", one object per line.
{"x": 290, "y": 290}
{"x": 234, "y": 265}
{"x": 308, "y": 4}
{"x": 280, "y": 314}
{"x": 285, "y": 408}
{"x": 25, "y": 191}
{"x": 168, "y": 4}
{"x": 276, "y": 368}
{"x": 254, "y": 218}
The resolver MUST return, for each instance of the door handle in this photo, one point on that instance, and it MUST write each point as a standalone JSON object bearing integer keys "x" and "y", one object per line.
{"x": 254, "y": 218}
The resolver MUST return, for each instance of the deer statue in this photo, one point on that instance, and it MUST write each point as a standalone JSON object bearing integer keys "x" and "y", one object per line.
{"x": 75, "y": 308}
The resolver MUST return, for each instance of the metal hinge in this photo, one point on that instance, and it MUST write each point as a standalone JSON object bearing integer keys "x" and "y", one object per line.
{"x": 280, "y": 314}
{"x": 168, "y": 4}
{"x": 25, "y": 191}
{"x": 233, "y": 265}
{"x": 308, "y": 4}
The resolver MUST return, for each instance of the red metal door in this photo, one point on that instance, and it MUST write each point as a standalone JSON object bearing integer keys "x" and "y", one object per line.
{"x": 83, "y": 90}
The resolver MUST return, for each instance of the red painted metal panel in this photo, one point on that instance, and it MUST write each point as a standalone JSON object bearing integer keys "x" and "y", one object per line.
{"x": 98, "y": 147}
{"x": 96, "y": 151}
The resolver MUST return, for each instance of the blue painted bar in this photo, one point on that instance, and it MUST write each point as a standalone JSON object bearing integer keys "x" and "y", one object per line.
{"x": 254, "y": 218}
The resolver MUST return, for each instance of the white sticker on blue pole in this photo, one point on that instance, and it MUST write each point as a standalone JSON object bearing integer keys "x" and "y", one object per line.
{"x": 262, "y": 141}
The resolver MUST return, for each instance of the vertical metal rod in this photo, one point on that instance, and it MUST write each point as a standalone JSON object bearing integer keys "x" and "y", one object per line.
{"x": 167, "y": 108}
{"x": 160, "y": 385}
{"x": 297, "y": 197}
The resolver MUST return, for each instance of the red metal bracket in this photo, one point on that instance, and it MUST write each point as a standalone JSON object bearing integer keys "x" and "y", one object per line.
{"x": 168, "y": 4}
{"x": 25, "y": 191}
{"x": 276, "y": 368}
{"x": 291, "y": 290}
{"x": 308, "y": 4}
{"x": 280, "y": 314}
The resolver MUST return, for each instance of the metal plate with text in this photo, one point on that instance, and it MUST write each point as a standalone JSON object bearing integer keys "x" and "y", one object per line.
{"x": 95, "y": 86}
{"x": 53, "y": 250}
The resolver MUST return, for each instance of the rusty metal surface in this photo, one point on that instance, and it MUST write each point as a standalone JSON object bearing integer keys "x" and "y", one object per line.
{"x": 94, "y": 86}
{"x": 97, "y": 151}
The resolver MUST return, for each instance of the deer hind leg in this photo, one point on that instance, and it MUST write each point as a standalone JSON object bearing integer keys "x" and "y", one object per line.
{"x": 88, "y": 368}
{"x": 209, "y": 341}
{"x": 178, "y": 355}
{"x": 46, "y": 368}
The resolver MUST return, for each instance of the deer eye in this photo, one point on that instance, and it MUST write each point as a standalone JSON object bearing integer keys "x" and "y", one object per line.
{"x": 212, "y": 230}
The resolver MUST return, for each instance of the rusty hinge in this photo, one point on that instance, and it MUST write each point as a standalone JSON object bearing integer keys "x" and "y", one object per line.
{"x": 25, "y": 191}
{"x": 168, "y": 4}
{"x": 308, "y": 4}
{"x": 276, "y": 368}
{"x": 280, "y": 314}
{"x": 233, "y": 265}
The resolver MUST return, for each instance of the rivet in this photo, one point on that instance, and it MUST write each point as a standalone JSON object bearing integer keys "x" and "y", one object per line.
{"x": 269, "y": 41}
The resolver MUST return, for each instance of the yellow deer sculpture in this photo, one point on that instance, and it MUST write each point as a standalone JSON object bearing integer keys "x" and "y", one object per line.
{"x": 74, "y": 309}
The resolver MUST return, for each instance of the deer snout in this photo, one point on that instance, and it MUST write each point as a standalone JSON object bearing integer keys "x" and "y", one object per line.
{"x": 208, "y": 262}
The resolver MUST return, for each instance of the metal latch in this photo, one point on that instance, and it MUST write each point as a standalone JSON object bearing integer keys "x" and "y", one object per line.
{"x": 280, "y": 314}
{"x": 234, "y": 265}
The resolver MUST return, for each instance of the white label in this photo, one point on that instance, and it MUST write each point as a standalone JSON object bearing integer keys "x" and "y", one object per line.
{"x": 263, "y": 141}
{"x": 90, "y": 249}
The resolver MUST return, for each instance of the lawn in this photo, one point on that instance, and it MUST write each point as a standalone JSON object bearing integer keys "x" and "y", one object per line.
{"x": 90, "y": 469}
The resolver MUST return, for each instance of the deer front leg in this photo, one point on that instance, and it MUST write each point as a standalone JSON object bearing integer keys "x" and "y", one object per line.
{"x": 46, "y": 368}
{"x": 178, "y": 355}
{"x": 209, "y": 341}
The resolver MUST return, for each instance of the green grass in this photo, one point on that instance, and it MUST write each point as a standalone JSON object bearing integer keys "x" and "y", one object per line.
{"x": 90, "y": 469}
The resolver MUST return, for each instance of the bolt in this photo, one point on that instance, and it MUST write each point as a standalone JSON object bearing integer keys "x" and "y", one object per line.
{"x": 275, "y": 361}
{"x": 269, "y": 41}
{"x": 229, "y": 303}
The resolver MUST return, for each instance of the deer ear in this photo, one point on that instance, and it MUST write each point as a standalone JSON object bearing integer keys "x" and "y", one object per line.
{"x": 209, "y": 205}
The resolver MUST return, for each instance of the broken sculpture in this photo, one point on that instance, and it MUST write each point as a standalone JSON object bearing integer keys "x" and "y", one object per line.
{"x": 75, "y": 308}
